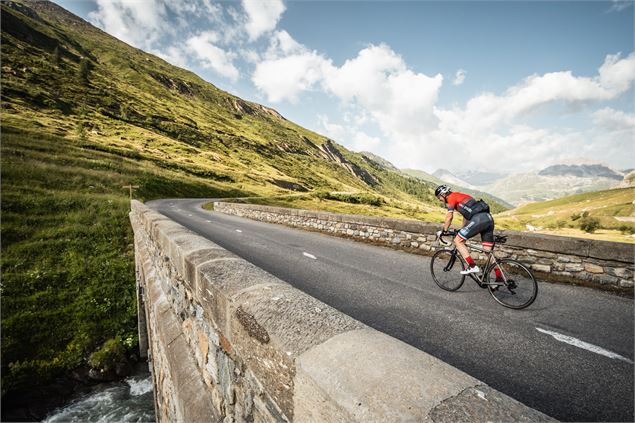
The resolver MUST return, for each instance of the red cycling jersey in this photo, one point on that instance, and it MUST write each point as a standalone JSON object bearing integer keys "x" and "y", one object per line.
{"x": 455, "y": 199}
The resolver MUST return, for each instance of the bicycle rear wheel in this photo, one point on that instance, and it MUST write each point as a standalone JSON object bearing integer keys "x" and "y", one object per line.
{"x": 519, "y": 289}
{"x": 446, "y": 270}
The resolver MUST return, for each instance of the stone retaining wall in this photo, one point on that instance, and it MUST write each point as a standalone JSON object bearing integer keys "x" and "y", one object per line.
{"x": 230, "y": 342}
{"x": 597, "y": 263}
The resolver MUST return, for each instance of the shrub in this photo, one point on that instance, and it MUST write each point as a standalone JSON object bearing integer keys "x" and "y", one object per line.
{"x": 589, "y": 224}
{"x": 357, "y": 198}
{"x": 111, "y": 353}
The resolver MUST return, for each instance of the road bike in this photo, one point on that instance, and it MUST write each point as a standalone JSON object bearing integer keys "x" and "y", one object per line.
{"x": 517, "y": 289}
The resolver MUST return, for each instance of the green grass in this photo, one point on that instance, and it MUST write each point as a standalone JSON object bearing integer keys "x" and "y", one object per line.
{"x": 67, "y": 249}
{"x": 612, "y": 209}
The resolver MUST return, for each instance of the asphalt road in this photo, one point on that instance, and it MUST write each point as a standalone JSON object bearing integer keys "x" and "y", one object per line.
{"x": 569, "y": 355}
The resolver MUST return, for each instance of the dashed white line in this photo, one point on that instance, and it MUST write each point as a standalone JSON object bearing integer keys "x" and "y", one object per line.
{"x": 584, "y": 345}
{"x": 208, "y": 221}
{"x": 311, "y": 256}
{"x": 238, "y": 230}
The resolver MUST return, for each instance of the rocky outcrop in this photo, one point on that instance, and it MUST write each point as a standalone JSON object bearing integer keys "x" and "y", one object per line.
{"x": 243, "y": 107}
{"x": 330, "y": 152}
{"x": 181, "y": 87}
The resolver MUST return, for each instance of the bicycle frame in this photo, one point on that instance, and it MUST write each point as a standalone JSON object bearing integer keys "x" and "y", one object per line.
{"x": 491, "y": 261}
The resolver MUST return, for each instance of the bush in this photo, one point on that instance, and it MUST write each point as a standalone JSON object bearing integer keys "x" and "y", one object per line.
{"x": 111, "y": 353}
{"x": 589, "y": 224}
{"x": 357, "y": 198}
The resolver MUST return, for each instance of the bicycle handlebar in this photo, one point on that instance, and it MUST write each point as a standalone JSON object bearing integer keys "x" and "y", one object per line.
{"x": 446, "y": 233}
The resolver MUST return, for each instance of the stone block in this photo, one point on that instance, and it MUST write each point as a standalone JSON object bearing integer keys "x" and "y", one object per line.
{"x": 541, "y": 268}
{"x": 482, "y": 403}
{"x": 218, "y": 280}
{"x": 593, "y": 268}
{"x": 372, "y": 371}
{"x": 573, "y": 267}
{"x": 272, "y": 325}
{"x": 195, "y": 258}
{"x": 620, "y": 272}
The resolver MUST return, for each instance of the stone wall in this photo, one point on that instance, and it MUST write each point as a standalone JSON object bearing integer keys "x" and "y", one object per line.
{"x": 598, "y": 263}
{"x": 230, "y": 342}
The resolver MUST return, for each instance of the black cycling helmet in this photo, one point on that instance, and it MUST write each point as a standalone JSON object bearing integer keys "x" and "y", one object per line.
{"x": 442, "y": 190}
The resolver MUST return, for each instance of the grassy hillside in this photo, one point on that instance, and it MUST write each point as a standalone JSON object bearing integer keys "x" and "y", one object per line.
{"x": 608, "y": 215}
{"x": 84, "y": 114}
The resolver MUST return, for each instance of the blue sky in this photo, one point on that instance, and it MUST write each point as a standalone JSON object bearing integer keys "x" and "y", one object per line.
{"x": 511, "y": 86}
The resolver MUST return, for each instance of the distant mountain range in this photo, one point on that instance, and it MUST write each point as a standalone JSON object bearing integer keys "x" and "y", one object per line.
{"x": 449, "y": 177}
{"x": 581, "y": 171}
{"x": 552, "y": 182}
{"x": 457, "y": 186}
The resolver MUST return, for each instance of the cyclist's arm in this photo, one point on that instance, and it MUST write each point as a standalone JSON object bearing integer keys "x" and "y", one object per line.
{"x": 448, "y": 221}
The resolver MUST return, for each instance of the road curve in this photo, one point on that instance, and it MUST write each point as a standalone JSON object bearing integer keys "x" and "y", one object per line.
{"x": 569, "y": 355}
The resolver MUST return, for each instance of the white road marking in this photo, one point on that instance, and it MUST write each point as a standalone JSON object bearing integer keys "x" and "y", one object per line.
{"x": 238, "y": 230}
{"x": 311, "y": 256}
{"x": 208, "y": 221}
{"x": 584, "y": 345}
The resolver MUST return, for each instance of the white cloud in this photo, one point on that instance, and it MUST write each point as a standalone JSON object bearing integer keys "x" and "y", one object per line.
{"x": 137, "y": 23}
{"x": 487, "y": 111}
{"x": 364, "y": 142}
{"x": 173, "y": 55}
{"x": 262, "y": 16}
{"x": 399, "y": 100}
{"x": 614, "y": 120}
{"x": 619, "y": 5}
{"x": 337, "y": 132}
{"x": 212, "y": 57}
{"x": 285, "y": 78}
{"x": 349, "y": 135}
{"x": 459, "y": 78}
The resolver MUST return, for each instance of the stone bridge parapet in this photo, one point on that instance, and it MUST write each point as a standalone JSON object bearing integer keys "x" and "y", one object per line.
{"x": 230, "y": 342}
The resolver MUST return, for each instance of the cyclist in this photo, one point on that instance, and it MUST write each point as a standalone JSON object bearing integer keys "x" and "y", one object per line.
{"x": 476, "y": 220}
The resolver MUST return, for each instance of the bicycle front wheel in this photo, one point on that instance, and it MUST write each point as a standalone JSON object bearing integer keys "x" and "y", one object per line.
{"x": 446, "y": 270}
{"x": 518, "y": 289}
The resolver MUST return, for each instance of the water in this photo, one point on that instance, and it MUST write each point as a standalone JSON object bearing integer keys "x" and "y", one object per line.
{"x": 128, "y": 401}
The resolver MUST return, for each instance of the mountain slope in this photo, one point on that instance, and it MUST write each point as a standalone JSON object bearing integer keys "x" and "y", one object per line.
{"x": 84, "y": 114}
{"x": 533, "y": 186}
{"x": 450, "y": 178}
{"x": 612, "y": 210}
{"x": 581, "y": 171}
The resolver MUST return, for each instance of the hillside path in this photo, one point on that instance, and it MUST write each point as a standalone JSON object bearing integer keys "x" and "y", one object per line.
{"x": 569, "y": 355}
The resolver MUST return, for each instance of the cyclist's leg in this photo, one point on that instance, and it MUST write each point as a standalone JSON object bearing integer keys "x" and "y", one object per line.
{"x": 470, "y": 229}
{"x": 459, "y": 241}
{"x": 487, "y": 240}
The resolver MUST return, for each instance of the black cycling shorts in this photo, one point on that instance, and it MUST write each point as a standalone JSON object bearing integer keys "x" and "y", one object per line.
{"x": 482, "y": 223}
